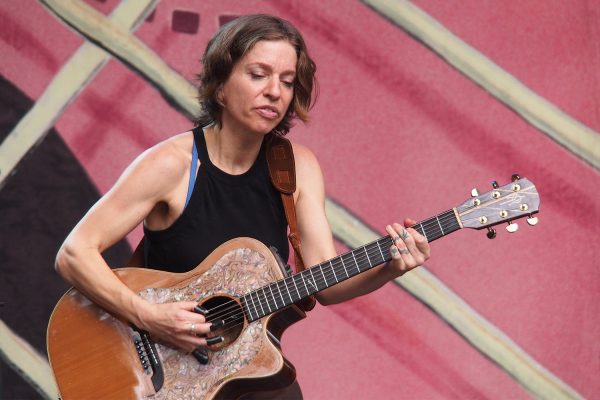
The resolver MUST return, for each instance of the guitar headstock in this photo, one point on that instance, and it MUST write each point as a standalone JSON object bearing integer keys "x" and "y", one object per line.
{"x": 506, "y": 203}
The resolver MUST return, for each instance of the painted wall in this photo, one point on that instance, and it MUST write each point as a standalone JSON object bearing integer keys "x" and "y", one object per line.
{"x": 398, "y": 133}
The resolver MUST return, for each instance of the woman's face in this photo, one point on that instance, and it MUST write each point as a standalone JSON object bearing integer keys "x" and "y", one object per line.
{"x": 259, "y": 90}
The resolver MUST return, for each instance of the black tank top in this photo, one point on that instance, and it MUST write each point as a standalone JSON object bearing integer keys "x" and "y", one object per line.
{"x": 222, "y": 207}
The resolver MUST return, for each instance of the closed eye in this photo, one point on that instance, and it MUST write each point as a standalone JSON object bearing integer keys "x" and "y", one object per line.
{"x": 257, "y": 76}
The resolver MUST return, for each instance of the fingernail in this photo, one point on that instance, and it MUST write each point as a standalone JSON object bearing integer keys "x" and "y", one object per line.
{"x": 200, "y": 310}
{"x": 216, "y": 325}
{"x": 214, "y": 340}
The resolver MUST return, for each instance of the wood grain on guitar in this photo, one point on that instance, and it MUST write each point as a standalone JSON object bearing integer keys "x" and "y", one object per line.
{"x": 95, "y": 355}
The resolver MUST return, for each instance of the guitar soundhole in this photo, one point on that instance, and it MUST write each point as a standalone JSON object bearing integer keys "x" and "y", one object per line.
{"x": 228, "y": 310}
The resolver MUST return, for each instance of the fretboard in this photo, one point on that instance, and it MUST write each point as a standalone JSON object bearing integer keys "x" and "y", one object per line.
{"x": 277, "y": 295}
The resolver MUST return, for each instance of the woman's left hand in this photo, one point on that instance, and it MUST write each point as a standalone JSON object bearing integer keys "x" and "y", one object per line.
{"x": 409, "y": 249}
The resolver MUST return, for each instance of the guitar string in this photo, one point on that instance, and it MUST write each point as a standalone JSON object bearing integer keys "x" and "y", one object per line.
{"x": 332, "y": 270}
{"x": 331, "y": 274}
{"x": 436, "y": 221}
{"x": 261, "y": 297}
{"x": 365, "y": 254}
{"x": 447, "y": 216}
{"x": 337, "y": 268}
{"x": 237, "y": 314}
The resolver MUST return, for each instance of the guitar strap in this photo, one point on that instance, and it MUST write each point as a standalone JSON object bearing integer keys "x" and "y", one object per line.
{"x": 282, "y": 169}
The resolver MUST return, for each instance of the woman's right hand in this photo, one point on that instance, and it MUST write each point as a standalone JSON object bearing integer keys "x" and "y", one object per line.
{"x": 175, "y": 324}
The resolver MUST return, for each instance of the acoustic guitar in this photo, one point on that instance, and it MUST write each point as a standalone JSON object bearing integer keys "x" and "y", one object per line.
{"x": 96, "y": 355}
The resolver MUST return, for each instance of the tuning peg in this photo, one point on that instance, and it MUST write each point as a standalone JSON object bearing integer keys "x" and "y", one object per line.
{"x": 515, "y": 177}
{"x": 532, "y": 220}
{"x": 495, "y": 184}
{"x": 491, "y": 233}
{"x": 512, "y": 227}
{"x": 474, "y": 192}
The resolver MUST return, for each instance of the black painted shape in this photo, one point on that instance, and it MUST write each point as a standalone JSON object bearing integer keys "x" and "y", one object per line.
{"x": 39, "y": 205}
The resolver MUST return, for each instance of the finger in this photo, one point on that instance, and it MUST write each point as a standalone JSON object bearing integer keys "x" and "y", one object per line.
{"x": 393, "y": 234}
{"x": 187, "y": 305}
{"x": 198, "y": 329}
{"x": 420, "y": 241}
{"x": 397, "y": 258}
{"x": 211, "y": 341}
{"x": 399, "y": 235}
{"x": 395, "y": 253}
{"x": 404, "y": 234}
{"x": 407, "y": 247}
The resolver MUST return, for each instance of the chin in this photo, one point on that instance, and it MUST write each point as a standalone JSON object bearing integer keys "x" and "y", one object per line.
{"x": 266, "y": 128}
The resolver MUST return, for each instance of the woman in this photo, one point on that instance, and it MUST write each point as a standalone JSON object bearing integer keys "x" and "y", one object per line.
{"x": 257, "y": 76}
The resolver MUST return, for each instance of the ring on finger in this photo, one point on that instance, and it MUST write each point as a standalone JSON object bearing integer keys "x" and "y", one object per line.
{"x": 192, "y": 329}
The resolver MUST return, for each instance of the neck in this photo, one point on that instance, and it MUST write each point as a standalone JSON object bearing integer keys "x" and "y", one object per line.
{"x": 232, "y": 151}
{"x": 282, "y": 293}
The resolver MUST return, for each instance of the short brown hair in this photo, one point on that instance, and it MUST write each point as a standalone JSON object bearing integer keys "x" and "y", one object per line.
{"x": 231, "y": 43}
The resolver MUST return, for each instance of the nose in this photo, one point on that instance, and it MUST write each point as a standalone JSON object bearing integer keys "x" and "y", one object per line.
{"x": 273, "y": 88}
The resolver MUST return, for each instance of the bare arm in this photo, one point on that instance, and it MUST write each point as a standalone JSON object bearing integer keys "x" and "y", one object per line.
{"x": 409, "y": 251}
{"x": 149, "y": 181}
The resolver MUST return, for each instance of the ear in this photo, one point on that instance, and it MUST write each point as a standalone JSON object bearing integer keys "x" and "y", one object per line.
{"x": 220, "y": 96}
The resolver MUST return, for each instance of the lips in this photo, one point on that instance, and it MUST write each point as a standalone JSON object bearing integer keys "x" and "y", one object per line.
{"x": 268, "y": 112}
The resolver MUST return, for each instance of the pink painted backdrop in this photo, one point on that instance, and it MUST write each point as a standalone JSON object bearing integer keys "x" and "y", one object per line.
{"x": 398, "y": 133}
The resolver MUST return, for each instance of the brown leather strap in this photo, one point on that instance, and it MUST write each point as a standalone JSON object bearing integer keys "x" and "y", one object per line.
{"x": 280, "y": 158}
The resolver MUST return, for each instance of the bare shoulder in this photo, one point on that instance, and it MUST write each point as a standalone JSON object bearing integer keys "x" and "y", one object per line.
{"x": 306, "y": 161}
{"x": 163, "y": 165}
{"x": 308, "y": 171}
{"x": 170, "y": 156}
{"x": 167, "y": 159}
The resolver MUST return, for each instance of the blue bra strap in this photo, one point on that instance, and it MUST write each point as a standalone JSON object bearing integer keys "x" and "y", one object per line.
{"x": 192, "y": 174}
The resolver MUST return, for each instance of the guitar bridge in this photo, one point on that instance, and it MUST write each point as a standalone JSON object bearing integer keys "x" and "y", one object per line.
{"x": 148, "y": 357}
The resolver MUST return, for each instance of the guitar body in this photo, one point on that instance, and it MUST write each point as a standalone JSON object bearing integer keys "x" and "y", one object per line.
{"x": 93, "y": 355}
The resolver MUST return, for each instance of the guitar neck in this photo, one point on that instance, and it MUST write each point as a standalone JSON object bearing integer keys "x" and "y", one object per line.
{"x": 277, "y": 295}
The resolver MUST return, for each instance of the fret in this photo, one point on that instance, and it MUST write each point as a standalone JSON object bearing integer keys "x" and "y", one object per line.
{"x": 438, "y": 221}
{"x": 248, "y": 310}
{"x": 334, "y": 274}
{"x": 377, "y": 253}
{"x": 344, "y": 266}
{"x": 421, "y": 230}
{"x": 267, "y": 299}
{"x": 380, "y": 252}
{"x": 368, "y": 258}
{"x": 280, "y": 295}
{"x": 288, "y": 291}
{"x": 303, "y": 281}
{"x": 433, "y": 233}
{"x": 324, "y": 279}
{"x": 254, "y": 305}
{"x": 260, "y": 304}
{"x": 297, "y": 291}
{"x": 355, "y": 262}
{"x": 273, "y": 296}
{"x": 312, "y": 281}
